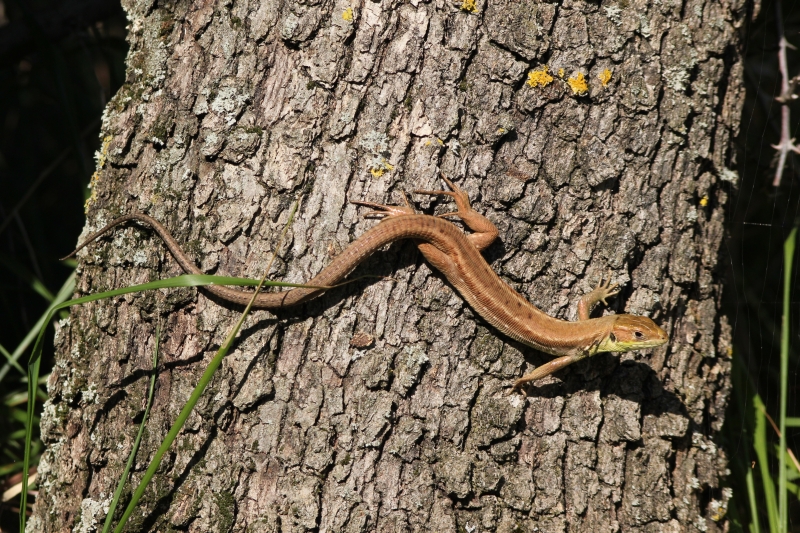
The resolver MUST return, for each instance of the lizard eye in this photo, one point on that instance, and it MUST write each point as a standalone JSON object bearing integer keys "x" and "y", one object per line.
{"x": 612, "y": 337}
{"x": 638, "y": 334}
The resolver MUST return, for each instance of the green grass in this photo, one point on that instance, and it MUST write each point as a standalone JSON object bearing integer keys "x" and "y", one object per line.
{"x": 132, "y": 456}
{"x": 788, "y": 258}
{"x": 766, "y": 479}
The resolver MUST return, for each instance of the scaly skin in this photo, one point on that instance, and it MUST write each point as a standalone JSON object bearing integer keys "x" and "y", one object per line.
{"x": 458, "y": 257}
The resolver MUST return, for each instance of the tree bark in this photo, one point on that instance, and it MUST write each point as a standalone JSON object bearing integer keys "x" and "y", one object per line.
{"x": 380, "y": 406}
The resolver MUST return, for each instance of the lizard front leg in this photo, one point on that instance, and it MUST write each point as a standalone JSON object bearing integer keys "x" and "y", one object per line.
{"x": 604, "y": 289}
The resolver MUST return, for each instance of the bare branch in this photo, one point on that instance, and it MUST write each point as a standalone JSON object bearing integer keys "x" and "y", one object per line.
{"x": 788, "y": 85}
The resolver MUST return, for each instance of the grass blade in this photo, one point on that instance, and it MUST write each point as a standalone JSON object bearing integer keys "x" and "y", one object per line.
{"x": 760, "y": 445}
{"x": 172, "y": 434}
{"x": 10, "y": 360}
{"x": 788, "y": 257}
{"x": 739, "y": 425}
{"x": 187, "y": 280}
{"x": 755, "y": 525}
{"x": 124, "y": 477}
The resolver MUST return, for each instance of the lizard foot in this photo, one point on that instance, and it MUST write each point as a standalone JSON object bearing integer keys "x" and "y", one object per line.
{"x": 380, "y": 210}
{"x": 484, "y": 232}
{"x": 605, "y": 289}
{"x": 459, "y": 195}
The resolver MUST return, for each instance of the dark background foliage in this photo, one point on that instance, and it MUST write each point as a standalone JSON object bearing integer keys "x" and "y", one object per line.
{"x": 760, "y": 218}
{"x": 60, "y": 62}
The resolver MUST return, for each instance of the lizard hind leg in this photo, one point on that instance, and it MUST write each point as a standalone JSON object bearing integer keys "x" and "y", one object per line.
{"x": 485, "y": 233}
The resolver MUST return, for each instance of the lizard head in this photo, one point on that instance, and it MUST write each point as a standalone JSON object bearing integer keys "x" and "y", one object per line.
{"x": 632, "y": 332}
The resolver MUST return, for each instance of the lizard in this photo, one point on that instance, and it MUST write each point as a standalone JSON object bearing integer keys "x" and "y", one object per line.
{"x": 457, "y": 255}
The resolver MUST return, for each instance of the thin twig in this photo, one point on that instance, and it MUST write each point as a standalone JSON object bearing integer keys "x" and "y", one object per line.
{"x": 786, "y": 143}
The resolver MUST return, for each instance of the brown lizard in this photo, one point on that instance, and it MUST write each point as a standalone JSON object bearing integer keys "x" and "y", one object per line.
{"x": 458, "y": 256}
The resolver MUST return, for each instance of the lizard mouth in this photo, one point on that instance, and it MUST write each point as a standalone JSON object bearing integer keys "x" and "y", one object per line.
{"x": 648, "y": 344}
{"x": 612, "y": 344}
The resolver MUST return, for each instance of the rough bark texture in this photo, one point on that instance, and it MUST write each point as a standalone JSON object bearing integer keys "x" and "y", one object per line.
{"x": 379, "y": 407}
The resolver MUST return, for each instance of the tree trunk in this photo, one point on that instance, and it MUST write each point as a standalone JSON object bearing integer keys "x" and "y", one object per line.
{"x": 380, "y": 406}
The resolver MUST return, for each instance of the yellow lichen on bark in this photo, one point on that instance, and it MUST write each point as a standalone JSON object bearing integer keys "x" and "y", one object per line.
{"x": 380, "y": 170}
{"x": 604, "y": 77}
{"x": 469, "y": 6}
{"x": 539, "y": 78}
{"x": 348, "y": 14}
{"x": 100, "y": 156}
{"x": 578, "y": 84}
